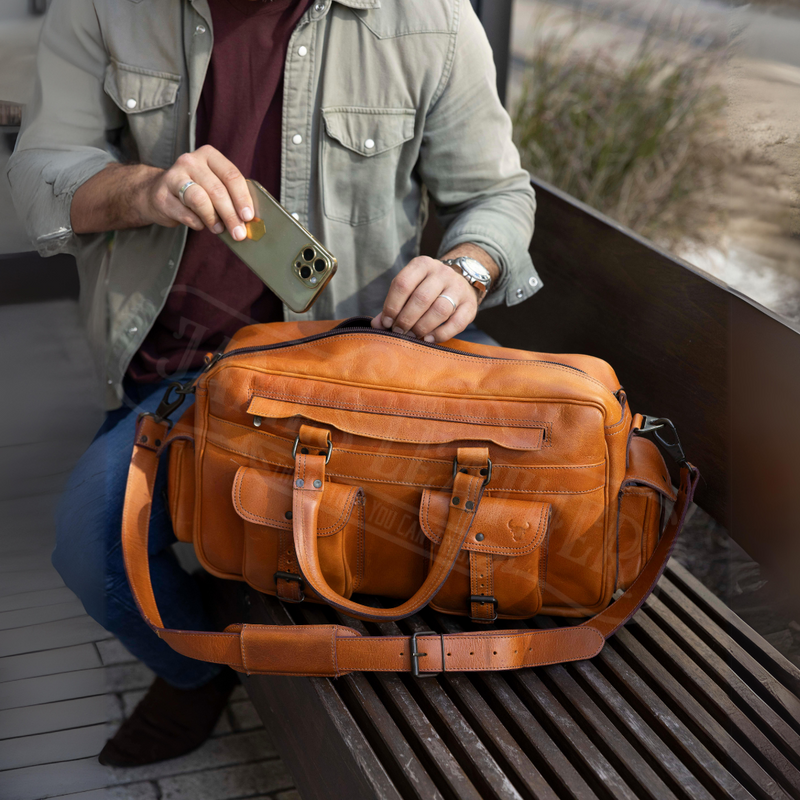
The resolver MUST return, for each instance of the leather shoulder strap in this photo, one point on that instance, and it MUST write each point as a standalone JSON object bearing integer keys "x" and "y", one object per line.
{"x": 332, "y": 650}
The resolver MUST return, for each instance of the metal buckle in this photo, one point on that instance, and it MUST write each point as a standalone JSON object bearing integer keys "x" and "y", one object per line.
{"x": 673, "y": 448}
{"x": 483, "y": 599}
{"x": 297, "y": 442}
{"x": 292, "y": 578}
{"x": 416, "y": 655}
{"x": 488, "y": 473}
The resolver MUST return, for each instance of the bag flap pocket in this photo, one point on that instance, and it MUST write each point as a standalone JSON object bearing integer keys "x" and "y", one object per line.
{"x": 135, "y": 89}
{"x": 369, "y": 131}
{"x": 503, "y": 527}
{"x": 265, "y": 498}
{"x": 646, "y": 467}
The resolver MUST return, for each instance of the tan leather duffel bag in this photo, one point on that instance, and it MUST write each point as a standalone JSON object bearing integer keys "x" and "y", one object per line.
{"x": 321, "y": 460}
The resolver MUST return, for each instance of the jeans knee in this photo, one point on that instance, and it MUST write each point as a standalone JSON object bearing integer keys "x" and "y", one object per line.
{"x": 80, "y": 559}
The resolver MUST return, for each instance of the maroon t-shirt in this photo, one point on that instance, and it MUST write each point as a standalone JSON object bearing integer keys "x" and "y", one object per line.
{"x": 240, "y": 114}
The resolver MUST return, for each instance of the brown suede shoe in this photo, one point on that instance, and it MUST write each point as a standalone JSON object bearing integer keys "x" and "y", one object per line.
{"x": 169, "y": 722}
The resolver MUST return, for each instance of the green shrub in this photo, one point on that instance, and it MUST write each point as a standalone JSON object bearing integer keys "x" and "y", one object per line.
{"x": 640, "y": 139}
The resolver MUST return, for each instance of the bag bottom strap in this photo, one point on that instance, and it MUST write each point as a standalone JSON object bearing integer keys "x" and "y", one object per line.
{"x": 333, "y": 650}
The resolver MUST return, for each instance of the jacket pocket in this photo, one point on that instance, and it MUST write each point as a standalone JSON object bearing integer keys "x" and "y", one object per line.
{"x": 148, "y": 100}
{"x": 361, "y": 150}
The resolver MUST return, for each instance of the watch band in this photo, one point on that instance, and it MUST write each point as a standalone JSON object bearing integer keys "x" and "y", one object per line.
{"x": 461, "y": 264}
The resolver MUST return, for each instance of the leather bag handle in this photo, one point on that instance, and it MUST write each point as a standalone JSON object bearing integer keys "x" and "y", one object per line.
{"x": 308, "y": 489}
{"x": 333, "y": 650}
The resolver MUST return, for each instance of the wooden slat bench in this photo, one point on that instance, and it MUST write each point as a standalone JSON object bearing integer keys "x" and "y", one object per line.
{"x": 686, "y": 702}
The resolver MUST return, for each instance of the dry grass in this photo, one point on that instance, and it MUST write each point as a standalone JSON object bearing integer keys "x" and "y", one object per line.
{"x": 640, "y": 139}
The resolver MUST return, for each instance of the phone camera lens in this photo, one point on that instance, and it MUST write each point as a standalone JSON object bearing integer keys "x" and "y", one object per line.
{"x": 319, "y": 265}
{"x": 308, "y": 254}
{"x": 305, "y": 272}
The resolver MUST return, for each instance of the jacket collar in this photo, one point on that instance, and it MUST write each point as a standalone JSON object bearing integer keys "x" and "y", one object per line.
{"x": 360, "y": 3}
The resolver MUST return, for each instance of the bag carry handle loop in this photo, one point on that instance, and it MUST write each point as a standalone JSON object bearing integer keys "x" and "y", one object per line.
{"x": 333, "y": 650}
{"x": 308, "y": 489}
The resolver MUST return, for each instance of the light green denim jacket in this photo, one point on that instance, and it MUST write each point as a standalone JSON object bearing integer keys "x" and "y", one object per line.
{"x": 121, "y": 80}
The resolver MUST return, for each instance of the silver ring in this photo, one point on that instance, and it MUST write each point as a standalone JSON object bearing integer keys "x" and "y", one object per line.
{"x": 455, "y": 305}
{"x": 182, "y": 190}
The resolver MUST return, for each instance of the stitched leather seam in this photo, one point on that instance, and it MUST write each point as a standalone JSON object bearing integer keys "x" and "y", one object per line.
{"x": 242, "y": 648}
{"x": 461, "y": 355}
{"x": 388, "y": 410}
{"x": 403, "y": 483}
{"x": 366, "y": 453}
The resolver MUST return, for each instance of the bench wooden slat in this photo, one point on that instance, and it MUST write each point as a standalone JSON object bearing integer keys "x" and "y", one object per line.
{"x": 777, "y": 669}
{"x": 661, "y": 718}
{"x": 501, "y": 744}
{"x": 394, "y": 751}
{"x": 476, "y": 760}
{"x": 560, "y": 770}
{"x": 310, "y": 717}
{"x": 780, "y": 732}
{"x": 719, "y": 703}
{"x": 670, "y": 767}
{"x": 704, "y": 725}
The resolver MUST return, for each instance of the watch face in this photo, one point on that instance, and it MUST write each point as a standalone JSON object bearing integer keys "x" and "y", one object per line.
{"x": 475, "y": 270}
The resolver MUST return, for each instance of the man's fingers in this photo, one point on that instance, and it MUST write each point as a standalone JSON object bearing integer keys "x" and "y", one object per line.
{"x": 234, "y": 182}
{"x": 221, "y": 203}
{"x": 457, "y": 322}
{"x": 402, "y": 287}
{"x": 419, "y": 302}
{"x": 440, "y": 311}
{"x": 177, "y": 211}
{"x": 196, "y": 199}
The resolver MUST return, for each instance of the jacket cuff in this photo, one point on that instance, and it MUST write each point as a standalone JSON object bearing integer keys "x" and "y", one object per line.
{"x": 518, "y": 279}
{"x": 42, "y": 186}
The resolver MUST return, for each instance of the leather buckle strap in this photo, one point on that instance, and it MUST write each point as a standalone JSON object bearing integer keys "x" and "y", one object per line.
{"x": 416, "y": 655}
{"x": 297, "y": 443}
{"x": 487, "y": 471}
{"x": 292, "y": 578}
{"x": 482, "y": 599}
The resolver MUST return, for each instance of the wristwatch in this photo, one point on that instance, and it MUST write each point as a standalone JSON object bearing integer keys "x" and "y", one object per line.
{"x": 476, "y": 274}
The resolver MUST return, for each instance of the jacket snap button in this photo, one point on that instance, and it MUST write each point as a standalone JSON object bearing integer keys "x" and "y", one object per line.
{"x": 369, "y": 144}
{"x": 479, "y": 537}
{"x": 131, "y": 103}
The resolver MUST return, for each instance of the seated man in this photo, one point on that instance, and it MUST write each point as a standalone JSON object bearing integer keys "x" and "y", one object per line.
{"x": 147, "y": 118}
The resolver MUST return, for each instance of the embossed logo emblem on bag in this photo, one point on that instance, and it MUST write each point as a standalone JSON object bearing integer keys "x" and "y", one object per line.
{"x": 518, "y": 532}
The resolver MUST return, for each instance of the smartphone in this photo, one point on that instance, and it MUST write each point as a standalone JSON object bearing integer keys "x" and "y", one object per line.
{"x": 290, "y": 261}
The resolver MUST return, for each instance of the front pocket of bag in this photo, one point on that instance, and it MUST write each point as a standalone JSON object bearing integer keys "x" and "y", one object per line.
{"x": 361, "y": 151}
{"x": 505, "y": 553}
{"x": 263, "y": 500}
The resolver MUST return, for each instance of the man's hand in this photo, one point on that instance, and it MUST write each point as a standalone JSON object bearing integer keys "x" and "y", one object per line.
{"x": 415, "y": 304}
{"x": 131, "y": 196}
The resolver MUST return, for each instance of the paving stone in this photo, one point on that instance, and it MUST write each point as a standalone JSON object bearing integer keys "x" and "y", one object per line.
{"x": 46, "y": 597}
{"x": 56, "y": 746}
{"x": 130, "y": 791}
{"x": 245, "y": 716}
{"x": 243, "y": 780}
{"x": 25, "y": 617}
{"x": 112, "y": 651}
{"x": 48, "y": 662}
{"x": 59, "y": 716}
{"x": 29, "y": 581}
{"x": 48, "y": 635}
{"x": 81, "y": 683}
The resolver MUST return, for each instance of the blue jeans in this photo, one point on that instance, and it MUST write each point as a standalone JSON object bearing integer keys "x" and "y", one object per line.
{"x": 88, "y": 553}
